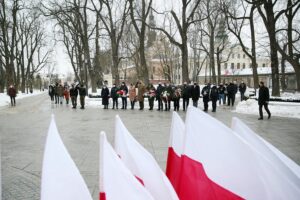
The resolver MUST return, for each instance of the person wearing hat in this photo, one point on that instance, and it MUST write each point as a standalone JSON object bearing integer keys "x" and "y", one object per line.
{"x": 12, "y": 94}
{"x": 159, "y": 91}
{"x": 82, "y": 94}
{"x": 263, "y": 100}
{"x": 195, "y": 94}
{"x": 124, "y": 89}
{"x": 73, "y": 95}
{"x": 206, "y": 95}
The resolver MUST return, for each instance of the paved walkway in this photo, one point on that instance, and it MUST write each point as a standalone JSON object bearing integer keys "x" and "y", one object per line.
{"x": 23, "y": 132}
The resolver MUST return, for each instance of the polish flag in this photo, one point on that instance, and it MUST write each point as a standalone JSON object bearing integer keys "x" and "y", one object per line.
{"x": 142, "y": 164}
{"x": 116, "y": 181}
{"x": 218, "y": 164}
{"x": 175, "y": 150}
{"x": 282, "y": 163}
{"x": 61, "y": 180}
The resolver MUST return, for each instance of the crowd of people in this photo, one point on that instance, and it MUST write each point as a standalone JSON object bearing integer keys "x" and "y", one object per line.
{"x": 164, "y": 93}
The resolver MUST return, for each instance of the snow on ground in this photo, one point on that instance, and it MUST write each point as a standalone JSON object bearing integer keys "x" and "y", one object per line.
{"x": 5, "y": 99}
{"x": 281, "y": 109}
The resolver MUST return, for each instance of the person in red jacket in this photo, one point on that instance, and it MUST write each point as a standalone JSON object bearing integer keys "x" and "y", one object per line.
{"x": 67, "y": 94}
{"x": 12, "y": 93}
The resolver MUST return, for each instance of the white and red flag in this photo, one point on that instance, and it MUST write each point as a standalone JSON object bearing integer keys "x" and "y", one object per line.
{"x": 142, "y": 164}
{"x": 288, "y": 168}
{"x": 218, "y": 164}
{"x": 175, "y": 150}
{"x": 61, "y": 180}
{"x": 116, "y": 181}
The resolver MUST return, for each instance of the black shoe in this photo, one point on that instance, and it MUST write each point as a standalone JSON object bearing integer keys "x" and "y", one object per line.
{"x": 158, "y": 109}
{"x": 205, "y": 110}
{"x": 260, "y": 118}
{"x": 269, "y": 116}
{"x": 213, "y": 111}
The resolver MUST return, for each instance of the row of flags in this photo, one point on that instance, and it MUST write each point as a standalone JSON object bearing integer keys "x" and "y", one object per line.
{"x": 206, "y": 160}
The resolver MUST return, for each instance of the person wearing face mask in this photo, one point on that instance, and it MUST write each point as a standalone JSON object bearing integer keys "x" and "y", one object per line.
{"x": 167, "y": 95}
{"x": 114, "y": 95}
{"x": 124, "y": 89}
{"x": 195, "y": 94}
{"x": 105, "y": 96}
{"x": 185, "y": 95}
{"x": 159, "y": 91}
{"x": 140, "y": 94}
{"x": 132, "y": 95}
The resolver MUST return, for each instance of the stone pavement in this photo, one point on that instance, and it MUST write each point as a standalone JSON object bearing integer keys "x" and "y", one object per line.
{"x": 23, "y": 132}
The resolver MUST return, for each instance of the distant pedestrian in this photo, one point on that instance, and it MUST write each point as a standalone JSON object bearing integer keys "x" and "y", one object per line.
{"x": 105, "y": 96}
{"x": 151, "y": 96}
{"x": 132, "y": 95}
{"x": 176, "y": 98}
{"x": 214, "y": 96}
{"x": 186, "y": 94}
{"x": 167, "y": 96}
{"x": 140, "y": 95}
{"x": 221, "y": 92}
{"x": 159, "y": 91}
{"x": 60, "y": 92}
{"x": 206, "y": 95}
{"x": 263, "y": 100}
{"x": 56, "y": 96}
{"x": 225, "y": 93}
{"x": 114, "y": 96}
{"x": 242, "y": 89}
{"x": 67, "y": 94}
{"x": 232, "y": 90}
{"x": 124, "y": 89}
{"x": 195, "y": 94}
{"x": 12, "y": 94}
{"x": 82, "y": 94}
{"x": 51, "y": 92}
{"x": 74, "y": 94}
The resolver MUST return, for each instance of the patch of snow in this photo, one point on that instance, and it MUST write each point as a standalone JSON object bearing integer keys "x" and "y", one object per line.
{"x": 280, "y": 109}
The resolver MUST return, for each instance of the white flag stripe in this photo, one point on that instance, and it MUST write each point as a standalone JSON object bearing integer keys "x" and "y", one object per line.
{"x": 177, "y": 134}
{"x": 142, "y": 164}
{"x": 230, "y": 162}
{"x": 259, "y": 145}
{"x": 116, "y": 181}
{"x": 61, "y": 180}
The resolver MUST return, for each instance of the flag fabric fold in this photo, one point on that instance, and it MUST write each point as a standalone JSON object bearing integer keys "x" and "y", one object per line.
{"x": 218, "y": 164}
{"x": 61, "y": 180}
{"x": 263, "y": 148}
{"x": 175, "y": 150}
{"x": 142, "y": 164}
{"x": 116, "y": 181}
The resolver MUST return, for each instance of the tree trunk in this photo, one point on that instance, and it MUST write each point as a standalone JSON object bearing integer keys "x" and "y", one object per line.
{"x": 283, "y": 85}
{"x": 144, "y": 68}
{"x": 219, "y": 66}
{"x": 212, "y": 53}
{"x": 274, "y": 65}
{"x": 115, "y": 60}
{"x": 253, "y": 50}
{"x": 184, "y": 62}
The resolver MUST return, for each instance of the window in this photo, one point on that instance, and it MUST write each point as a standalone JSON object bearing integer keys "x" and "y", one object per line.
{"x": 239, "y": 55}
{"x": 244, "y": 56}
{"x": 232, "y": 55}
{"x": 232, "y": 65}
{"x": 244, "y": 65}
{"x": 225, "y": 65}
{"x": 263, "y": 65}
{"x": 238, "y": 66}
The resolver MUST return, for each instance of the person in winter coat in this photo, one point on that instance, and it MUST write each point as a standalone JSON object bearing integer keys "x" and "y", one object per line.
{"x": 141, "y": 91}
{"x": 167, "y": 96}
{"x": 225, "y": 93}
{"x": 74, "y": 94}
{"x": 232, "y": 90}
{"x": 124, "y": 89}
{"x": 242, "y": 89}
{"x": 151, "y": 96}
{"x": 214, "y": 96}
{"x": 132, "y": 95}
{"x": 176, "y": 98}
{"x": 105, "y": 96}
{"x": 67, "y": 95}
{"x": 206, "y": 94}
{"x": 195, "y": 94}
{"x": 263, "y": 100}
{"x": 12, "y": 93}
{"x": 114, "y": 95}
{"x": 51, "y": 92}
{"x": 56, "y": 96}
{"x": 159, "y": 91}
{"x": 221, "y": 91}
{"x": 60, "y": 92}
{"x": 186, "y": 94}
{"x": 82, "y": 94}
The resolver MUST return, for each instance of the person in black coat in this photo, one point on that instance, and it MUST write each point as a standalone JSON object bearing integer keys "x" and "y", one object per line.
{"x": 206, "y": 95}
{"x": 114, "y": 95}
{"x": 168, "y": 92}
{"x": 231, "y": 90}
{"x": 82, "y": 94}
{"x": 263, "y": 100}
{"x": 51, "y": 92}
{"x": 56, "y": 96}
{"x": 186, "y": 94}
{"x": 214, "y": 96}
{"x": 105, "y": 96}
{"x": 242, "y": 89}
{"x": 159, "y": 91}
{"x": 73, "y": 95}
{"x": 195, "y": 92}
{"x": 124, "y": 88}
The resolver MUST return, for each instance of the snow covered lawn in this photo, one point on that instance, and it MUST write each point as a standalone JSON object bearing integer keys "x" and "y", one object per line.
{"x": 5, "y": 99}
{"x": 281, "y": 109}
